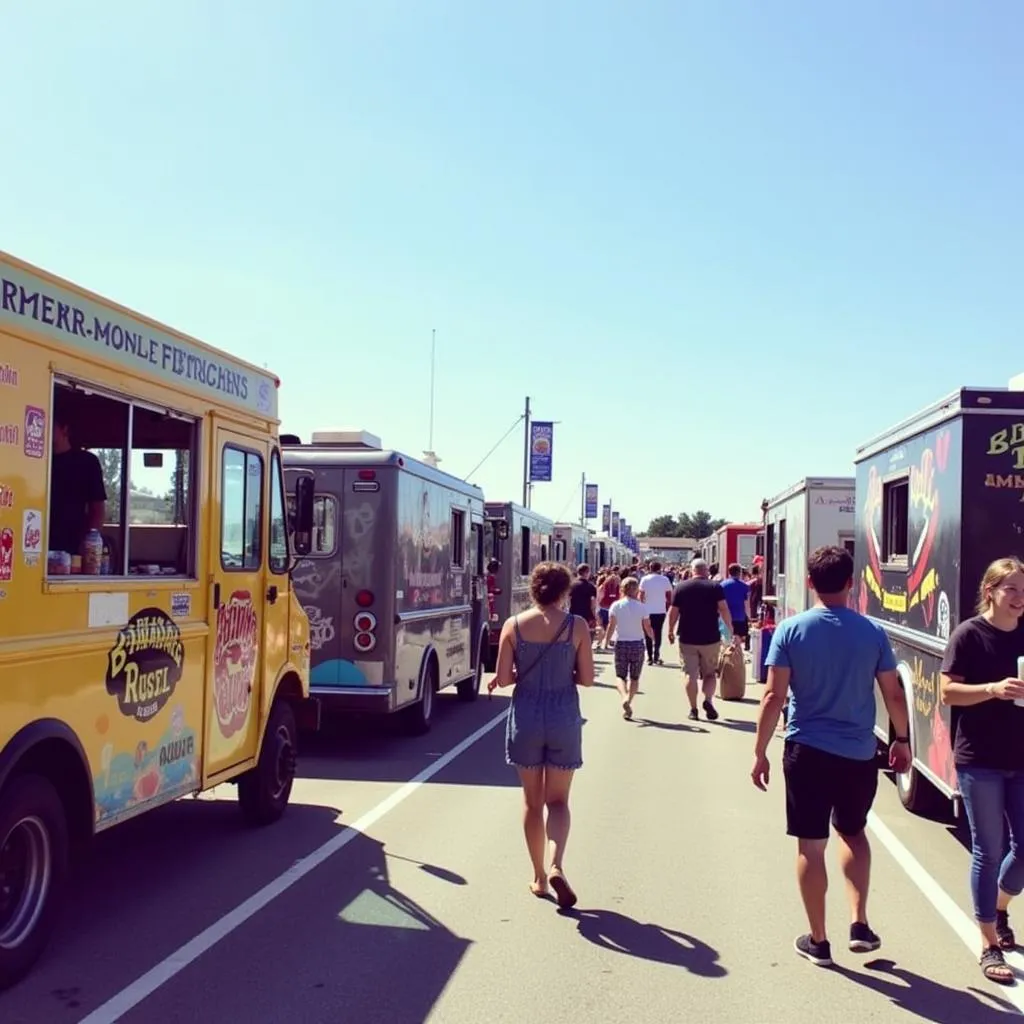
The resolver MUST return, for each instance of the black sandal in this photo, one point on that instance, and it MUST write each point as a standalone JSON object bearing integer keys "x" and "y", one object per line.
{"x": 995, "y": 968}
{"x": 1004, "y": 933}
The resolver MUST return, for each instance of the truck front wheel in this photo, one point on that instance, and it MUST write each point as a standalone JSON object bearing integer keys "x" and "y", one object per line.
{"x": 263, "y": 791}
{"x": 33, "y": 870}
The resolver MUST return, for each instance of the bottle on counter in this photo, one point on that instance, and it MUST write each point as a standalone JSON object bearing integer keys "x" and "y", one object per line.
{"x": 105, "y": 564}
{"x": 92, "y": 553}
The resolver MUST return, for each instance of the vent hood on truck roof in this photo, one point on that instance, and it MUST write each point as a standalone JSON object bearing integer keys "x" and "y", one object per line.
{"x": 1017, "y": 383}
{"x": 358, "y": 439}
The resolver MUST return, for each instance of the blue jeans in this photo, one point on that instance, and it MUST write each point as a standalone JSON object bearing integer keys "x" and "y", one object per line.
{"x": 994, "y": 799}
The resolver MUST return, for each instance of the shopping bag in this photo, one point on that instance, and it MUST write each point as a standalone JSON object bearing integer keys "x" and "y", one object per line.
{"x": 732, "y": 674}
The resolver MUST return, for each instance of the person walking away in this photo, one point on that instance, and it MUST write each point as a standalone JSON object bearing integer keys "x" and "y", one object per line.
{"x": 829, "y": 659}
{"x": 737, "y": 597}
{"x": 981, "y": 682}
{"x": 583, "y": 599}
{"x": 756, "y": 590}
{"x": 629, "y": 619}
{"x": 697, "y": 605}
{"x": 656, "y": 596}
{"x": 545, "y": 653}
{"x": 607, "y": 596}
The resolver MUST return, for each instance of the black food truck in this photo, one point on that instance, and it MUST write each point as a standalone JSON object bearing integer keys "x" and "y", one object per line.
{"x": 939, "y": 496}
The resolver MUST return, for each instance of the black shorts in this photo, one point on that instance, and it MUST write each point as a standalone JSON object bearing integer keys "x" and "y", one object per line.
{"x": 741, "y": 628}
{"x": 821, "y": 786}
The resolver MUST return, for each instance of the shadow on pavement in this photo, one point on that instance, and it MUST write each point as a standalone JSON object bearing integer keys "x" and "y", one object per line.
{"x": 184, "y": 866}
{"x": 660, "y": 945}
{"x": 650, "y": 723}
{"x": 733, "y": 723}
{"x": 930, "y": 1000}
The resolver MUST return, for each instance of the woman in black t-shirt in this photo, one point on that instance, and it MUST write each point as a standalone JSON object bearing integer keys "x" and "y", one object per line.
{"x": 981, "y": 681}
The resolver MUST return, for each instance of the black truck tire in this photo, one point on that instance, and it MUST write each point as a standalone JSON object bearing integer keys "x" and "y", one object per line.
{"x": 34, "y": 834}
{"x": 418, "y": 717}
{"x": 263, "y": 791}
{"x": 469, "y": 689}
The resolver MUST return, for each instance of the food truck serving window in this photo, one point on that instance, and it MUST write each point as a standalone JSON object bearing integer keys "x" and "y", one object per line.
{"x": 122, "y": 483}
{"x": 241, "y": 496}
{"x": 458, "y": 537}
{"x": 895, "y": 509}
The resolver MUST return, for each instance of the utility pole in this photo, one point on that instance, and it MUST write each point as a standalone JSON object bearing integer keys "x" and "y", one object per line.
{"x": 583, "y": 500}
{"x": 526, "y": 454}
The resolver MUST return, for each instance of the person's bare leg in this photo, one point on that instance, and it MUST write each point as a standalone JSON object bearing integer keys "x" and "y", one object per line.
{"x": 855, "y": 861}
{"x": 532, "y": 780}
{"x": 557, "y": 783}
{"x": 708, "y": 685}
{"x": 692, "y": 685}
{"x": 813, "y": 879}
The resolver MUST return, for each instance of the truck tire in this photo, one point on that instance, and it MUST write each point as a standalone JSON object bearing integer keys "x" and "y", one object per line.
{"x": 916, "y": 793}
{"x": 34, "y": 851}
{"x": 418, "y": 718}
{"x": 263, "y": 791}
{"x": 469, "y": 689}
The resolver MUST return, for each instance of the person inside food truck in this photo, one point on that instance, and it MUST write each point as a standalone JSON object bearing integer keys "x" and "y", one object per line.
{"x": 78, "y": 497}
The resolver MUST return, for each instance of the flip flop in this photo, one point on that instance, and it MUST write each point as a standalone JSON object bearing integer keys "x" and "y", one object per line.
{"x": 627, "y": 711}
{"x": 564, "y": 895}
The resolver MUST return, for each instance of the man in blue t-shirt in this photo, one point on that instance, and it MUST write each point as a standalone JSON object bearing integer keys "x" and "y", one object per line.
{"x": 737, "y": 594}
{"x": 828, "y": 660}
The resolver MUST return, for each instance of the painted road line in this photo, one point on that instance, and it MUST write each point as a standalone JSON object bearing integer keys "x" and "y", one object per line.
{"x": 144, "y": 986}
{"x": 948, "y": 909}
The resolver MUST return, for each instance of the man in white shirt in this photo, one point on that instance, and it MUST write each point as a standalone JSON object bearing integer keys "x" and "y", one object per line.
{"x": 656, "y": 595}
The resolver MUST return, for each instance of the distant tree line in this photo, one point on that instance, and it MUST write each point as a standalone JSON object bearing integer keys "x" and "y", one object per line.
{"x": 694, "y": 525}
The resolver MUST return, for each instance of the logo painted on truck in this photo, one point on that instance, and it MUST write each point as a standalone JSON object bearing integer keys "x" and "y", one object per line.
{"x": 234, "y": 661}
{"x": 1008, "y": 442}
{"x": 35, "y": 432}
{"x": 145, "y": 663}
{"x": 922, "y": 580}
{"x": 6, "y": 554}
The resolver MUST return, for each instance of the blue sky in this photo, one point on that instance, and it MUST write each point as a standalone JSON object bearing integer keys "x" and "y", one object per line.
{"x": 723, "y": 243}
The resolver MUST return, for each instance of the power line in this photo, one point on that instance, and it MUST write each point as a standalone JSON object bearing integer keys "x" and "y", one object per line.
{"x": 501, "y": 440}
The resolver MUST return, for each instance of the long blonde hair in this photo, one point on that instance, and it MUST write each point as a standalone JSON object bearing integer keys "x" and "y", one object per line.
{"x": 995, "y": 574}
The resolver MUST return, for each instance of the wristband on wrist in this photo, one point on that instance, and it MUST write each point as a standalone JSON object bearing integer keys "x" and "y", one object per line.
{"x": 902, "y": 739}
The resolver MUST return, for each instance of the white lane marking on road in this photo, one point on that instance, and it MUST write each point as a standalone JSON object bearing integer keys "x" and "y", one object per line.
{"x": 143, "y": 987}
{"x": 948, "y": 909}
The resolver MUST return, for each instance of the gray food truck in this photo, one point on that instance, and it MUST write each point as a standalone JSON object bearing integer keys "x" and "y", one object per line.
{"x": 570, "y": 544}
{"x": 517, "y": 539}
{"x": 394, "y": 584}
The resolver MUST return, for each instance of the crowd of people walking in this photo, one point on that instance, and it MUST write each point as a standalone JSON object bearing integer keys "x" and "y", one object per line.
{"x": 823, "y": 667}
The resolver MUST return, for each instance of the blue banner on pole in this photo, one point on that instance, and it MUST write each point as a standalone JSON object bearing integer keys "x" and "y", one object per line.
{"x": 591, "y": 502}
{"x": 606, "y": 518}
{"x": 615, "y": 525}
{"x": 542, "y": 441}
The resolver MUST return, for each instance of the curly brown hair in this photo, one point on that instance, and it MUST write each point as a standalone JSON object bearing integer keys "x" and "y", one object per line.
{"x": 549, "y": 583}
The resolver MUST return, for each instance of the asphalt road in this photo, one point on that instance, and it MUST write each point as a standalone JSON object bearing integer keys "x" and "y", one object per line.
{"x": 380, "y": 901}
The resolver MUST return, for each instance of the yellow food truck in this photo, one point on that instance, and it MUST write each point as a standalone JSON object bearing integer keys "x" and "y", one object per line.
{"x": 150, "y": 642}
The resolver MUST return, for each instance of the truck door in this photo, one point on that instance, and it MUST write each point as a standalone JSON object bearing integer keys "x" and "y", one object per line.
{"x": 240, "y": 469}
{"x": 478, "y": 577}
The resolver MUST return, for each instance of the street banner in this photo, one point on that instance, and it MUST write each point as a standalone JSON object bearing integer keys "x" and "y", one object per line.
{"x": 591, "y": 502}
{"x": 542, "y": 438}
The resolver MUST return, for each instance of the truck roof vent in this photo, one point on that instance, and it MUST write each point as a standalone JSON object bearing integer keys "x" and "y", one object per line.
{"x": 358, "y": 439}
{"x": 290, "y": 441}
{"x": 1017, "y": 383}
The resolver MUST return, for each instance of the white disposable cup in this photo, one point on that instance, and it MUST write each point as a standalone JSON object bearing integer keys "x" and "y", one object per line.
{"x": 1020, "y": 675}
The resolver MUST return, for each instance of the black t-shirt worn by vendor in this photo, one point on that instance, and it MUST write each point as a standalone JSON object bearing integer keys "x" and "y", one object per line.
{"x": 581, "y": 596}
{"x": 990, "y": 734}
{"x": 76, "y": 481}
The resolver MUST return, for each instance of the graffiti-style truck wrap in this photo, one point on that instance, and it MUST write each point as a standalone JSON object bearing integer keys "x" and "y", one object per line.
{"x": 814, "y": 512}
{"x": 518, "y": 539}
{"x": 394, "y": 582}
{"x": 150, "y": 645}
{"x": 570, "y": 544}
{"x": 939, "y": 496}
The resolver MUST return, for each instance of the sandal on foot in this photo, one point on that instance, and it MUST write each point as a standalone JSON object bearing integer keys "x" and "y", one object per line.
{"x": 1004, "y": 933}
{"x": 627, "y": 711}
{"x": 564, "y": 895}
{"x": 995, "y": 968}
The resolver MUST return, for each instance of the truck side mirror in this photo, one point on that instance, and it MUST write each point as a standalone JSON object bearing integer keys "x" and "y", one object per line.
{"x": 302, "y": 538}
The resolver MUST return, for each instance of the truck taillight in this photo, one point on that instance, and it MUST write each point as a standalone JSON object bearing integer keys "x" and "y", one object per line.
{"x": 365, "y": 624}
{"x": 364, "y": 598}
